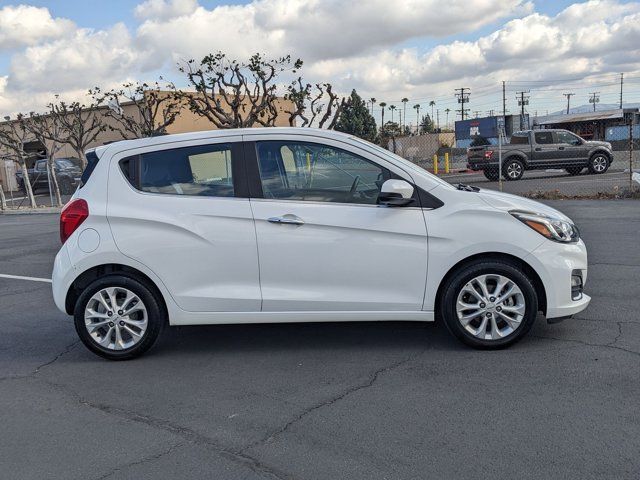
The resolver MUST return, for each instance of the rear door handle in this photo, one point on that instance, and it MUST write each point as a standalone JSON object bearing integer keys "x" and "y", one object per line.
{"x": 538, "y": 149}
{"x": 560, "y": 148}
{"x": 288, "y": 219}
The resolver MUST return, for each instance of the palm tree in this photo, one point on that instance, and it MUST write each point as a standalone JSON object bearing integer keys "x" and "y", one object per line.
{"x": 447, "y": 110}
{"x": 417, "y": 107}
{"x": 404, "y": 104}
{"x": 392, "y": 108}
{"x": 373, "y": 102}
{"x": 382, "y": 106}
{"x": 432, "y": 104}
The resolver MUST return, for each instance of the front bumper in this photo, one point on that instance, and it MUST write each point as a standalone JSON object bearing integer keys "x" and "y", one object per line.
{"x": 555, "y": 263}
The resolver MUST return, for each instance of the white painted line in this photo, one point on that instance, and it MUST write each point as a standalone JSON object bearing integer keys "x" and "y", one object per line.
{"x": 19, "y": 277}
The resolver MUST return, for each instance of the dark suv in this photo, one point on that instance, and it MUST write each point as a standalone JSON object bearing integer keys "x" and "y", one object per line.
{"x": 68, "y": 173}
{"x": 539, "y": 149}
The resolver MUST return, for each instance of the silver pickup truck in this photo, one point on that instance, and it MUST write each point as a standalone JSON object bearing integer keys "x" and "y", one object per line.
{"x": 540, "y": 149}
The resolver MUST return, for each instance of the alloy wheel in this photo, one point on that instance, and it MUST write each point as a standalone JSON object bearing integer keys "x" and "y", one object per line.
{"x": 599, "y": 163}
{"x": 514, "y": 170}
{"x": 116, "y": 318}
{"x": 490, "y": 307}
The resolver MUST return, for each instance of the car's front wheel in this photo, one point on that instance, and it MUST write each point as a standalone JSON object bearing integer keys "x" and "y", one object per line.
{"x": 599, "y": 163}
{"x": 489, "y": 304}
{"x": 118, "y": 318}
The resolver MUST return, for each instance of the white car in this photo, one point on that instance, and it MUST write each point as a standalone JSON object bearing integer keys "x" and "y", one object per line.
{"x": 301, "y": 225}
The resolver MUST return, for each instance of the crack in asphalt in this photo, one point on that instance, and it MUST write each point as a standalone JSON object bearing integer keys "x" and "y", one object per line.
{"x": 373, "y": 378}
{"x": 611, "y": 344}
{"x": 66, "y": 350}
{"x": 149, "y": 458}
{"x": 186, "y": 433}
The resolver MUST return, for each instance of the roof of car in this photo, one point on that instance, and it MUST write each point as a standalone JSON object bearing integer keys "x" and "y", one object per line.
{"x": 181, "y": 137}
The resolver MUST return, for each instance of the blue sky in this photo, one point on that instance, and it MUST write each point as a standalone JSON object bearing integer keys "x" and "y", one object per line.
{"x": 391, "y": 51}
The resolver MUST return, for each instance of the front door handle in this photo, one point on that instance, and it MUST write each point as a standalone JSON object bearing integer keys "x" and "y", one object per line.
{"x": 560, "y": 148}
{"x": 288, "y": 219}
{"x": 538, "y": 149}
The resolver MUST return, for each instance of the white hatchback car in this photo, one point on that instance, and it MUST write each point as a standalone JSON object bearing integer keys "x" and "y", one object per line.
{"x": 301, "y": 225}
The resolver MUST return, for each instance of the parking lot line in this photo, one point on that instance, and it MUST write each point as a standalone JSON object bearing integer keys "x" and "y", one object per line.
{"x": 31, "y": 279}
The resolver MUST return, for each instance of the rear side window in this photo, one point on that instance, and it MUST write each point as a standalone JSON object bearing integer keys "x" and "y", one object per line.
{"x": 544, "y": 137}
{"x": 92, "y": 161}
{"x": 520, "y": 139}
{"x": 204, "y": 170}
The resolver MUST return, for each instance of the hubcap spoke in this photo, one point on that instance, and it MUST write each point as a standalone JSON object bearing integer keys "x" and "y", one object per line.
{"x": 490, "y": 306}
{"x": 116, "y": 318}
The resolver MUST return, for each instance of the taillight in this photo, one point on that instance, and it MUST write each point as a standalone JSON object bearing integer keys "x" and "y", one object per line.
{"x": 488, "y": 154}
{"x": 71, "y": 217}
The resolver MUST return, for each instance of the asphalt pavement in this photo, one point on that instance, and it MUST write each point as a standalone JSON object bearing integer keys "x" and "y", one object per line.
{"x": 325, "y": 401}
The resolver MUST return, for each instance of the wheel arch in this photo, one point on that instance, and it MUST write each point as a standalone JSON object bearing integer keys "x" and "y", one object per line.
{"x": 603, "y": 151}
{"x": 95, "y": 272}
{"x": 516, "y": 156}
{"x": 528, "y": 269}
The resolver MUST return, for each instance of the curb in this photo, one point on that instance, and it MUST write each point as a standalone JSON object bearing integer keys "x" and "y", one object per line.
{"x": 31, "y": 211}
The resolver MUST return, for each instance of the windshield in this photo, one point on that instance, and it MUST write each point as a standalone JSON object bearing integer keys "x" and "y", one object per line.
{"x": 66, "y": 163}
{"x": 403, "y": 161}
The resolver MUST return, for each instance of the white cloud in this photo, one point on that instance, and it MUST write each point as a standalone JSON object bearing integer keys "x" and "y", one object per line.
{"x": 372, "y": 46}
{"x": 165, "y": 9}
{"x": 23, "y": 25}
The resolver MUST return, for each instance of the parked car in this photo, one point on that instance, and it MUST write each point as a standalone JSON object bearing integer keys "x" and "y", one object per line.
{"x": 68, "y": 172}
{"x": 301, "y": 225}
{"x": 538, "y": 149}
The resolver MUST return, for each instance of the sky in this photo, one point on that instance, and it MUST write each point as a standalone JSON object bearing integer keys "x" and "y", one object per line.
{"x": 386, "y": 49}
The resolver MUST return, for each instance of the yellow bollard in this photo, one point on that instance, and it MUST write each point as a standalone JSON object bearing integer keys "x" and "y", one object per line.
{"x": 446, "y": 162}
{"x": 435, "y": 164}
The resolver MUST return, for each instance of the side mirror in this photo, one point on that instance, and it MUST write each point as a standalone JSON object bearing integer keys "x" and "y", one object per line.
{"x": 396, "y": 193}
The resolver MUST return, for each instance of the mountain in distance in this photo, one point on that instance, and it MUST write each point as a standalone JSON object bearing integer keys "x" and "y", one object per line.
{"x": 589, "y": 108}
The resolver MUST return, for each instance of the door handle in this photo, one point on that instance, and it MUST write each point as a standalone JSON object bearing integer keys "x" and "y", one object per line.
{"x": 560, "y": 148}
{"x": 538, "y": 149}
{"x": 287, "y": 219}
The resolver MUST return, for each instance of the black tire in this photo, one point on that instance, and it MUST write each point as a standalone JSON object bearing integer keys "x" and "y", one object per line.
{"x": 513, "y": 169}
{"x": 467, "y": 273}
{"x": 574, "y": 170}
{"x": 157, "y": 316}
{"x": 599, "y": 163}
{"x": 491, "y": 174}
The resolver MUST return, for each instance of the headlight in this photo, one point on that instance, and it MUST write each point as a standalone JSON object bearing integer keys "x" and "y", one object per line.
{"x": 552, "y": 228}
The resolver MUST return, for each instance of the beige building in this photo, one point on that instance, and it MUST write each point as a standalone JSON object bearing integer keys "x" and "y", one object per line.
{"x": 186, "y": 121}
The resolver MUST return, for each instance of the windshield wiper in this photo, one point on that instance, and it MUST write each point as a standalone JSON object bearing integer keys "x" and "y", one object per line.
{"x": 467, "y": 188}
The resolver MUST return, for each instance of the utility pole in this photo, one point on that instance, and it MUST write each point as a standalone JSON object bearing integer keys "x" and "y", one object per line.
{"x": 621, "y": 83}
{"x": 594, "y": 98}
{"x": 476, "y": 113}
{"x": 490, "y": 113}
{"x": 438, "y": 119}
{"x": 568, "y": 95}
{"x": 504, "y": 99}
{"x": 463, "y": 97}
{"x": 523, "y": 99}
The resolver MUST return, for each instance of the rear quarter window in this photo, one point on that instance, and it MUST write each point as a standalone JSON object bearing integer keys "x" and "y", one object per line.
{"x": 92, "y": 162}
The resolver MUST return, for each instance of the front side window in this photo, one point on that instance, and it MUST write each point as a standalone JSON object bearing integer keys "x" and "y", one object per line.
{"x": 544, "y": 138}
{"x": 200, "y": 170}
{"x": 566, "y": 137}
{"x": 316, "y": 172}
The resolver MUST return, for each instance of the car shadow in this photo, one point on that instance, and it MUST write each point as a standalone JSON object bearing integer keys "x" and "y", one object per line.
{"x": 295, "y": 336}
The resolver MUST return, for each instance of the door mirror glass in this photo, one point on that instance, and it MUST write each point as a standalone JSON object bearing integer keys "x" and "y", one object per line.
{"x": 396, "y": 193}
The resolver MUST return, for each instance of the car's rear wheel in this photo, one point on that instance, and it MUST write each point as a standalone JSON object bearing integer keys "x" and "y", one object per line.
{"x": 491, "y": 174}
{"x": 489, "y": 304}
{"x": 598, "y": 163}
{"x": 574, "y": 170}
{"x": 118, "y": 317}
{"x": 513, "y": 169}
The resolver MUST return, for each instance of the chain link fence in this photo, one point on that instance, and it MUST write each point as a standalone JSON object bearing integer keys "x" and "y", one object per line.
{"x": 621, "y": 179}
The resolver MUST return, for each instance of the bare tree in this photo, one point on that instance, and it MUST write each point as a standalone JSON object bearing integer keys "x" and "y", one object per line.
{"x": 154, "y": 107}
{"x": 80, "y": 125}
{"x": 3, "y": 200}
{"x": 321, "y": 103}
{"x": 13, "y": 137}
{"x": 233, "y": 94}
{"x": 48, "y": 131}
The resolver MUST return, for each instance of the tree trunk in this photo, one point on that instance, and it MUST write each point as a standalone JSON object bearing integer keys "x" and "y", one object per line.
{"x": 3, "y": 200}
{"x": 54, "y": 179}
{"x": 83, "y": 159}
{"x": 27, "y": 184}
